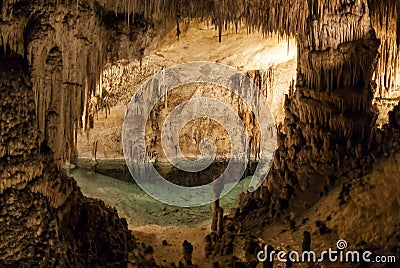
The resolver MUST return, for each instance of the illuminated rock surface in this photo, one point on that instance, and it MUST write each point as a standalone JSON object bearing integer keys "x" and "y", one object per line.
{"x": 52, "y": 54}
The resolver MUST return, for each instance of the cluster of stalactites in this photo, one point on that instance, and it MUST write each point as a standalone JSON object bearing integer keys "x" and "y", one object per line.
{"x": 289, "y": 18}
{"x": 386, "y": 21}
{"x": 65, "y": 64}
{"x": 269, "y": 16}
{"x": 332, "y": 52}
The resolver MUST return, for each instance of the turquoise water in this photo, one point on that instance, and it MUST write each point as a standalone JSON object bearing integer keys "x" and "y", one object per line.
{"x": 141, "y": 209}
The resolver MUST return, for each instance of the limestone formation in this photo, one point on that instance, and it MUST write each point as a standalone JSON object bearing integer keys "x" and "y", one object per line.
{"x": 52, "y": 54}
{"x": 329, "y": 131}
{"x": 331, "y": 106}
{"x": 50, "y": 59}
{"x": 45, "y": 220}
{"x": 66, "y": 45}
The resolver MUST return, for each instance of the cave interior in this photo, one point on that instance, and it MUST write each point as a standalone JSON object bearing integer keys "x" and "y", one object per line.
{"x": 328, "y": 69}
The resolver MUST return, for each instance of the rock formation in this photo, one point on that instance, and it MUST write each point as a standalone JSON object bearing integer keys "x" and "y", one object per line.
{"x": 51, "y": 55}
{"x": 66, "y": 45}
{"x": 329, "y": 133}
{"x": 330, "y": 114}
{"x": 55, "y": 40}
{"x": 53, "y": 52}
{"x": 45, "y": 221}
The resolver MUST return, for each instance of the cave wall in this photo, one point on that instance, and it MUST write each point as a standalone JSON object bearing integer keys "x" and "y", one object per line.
{"x": 66, "y": 45}
{"x": 386, "y": 22}
{"x": 44, "y": 220}
{"x": 51, "y": 56}
{"x": 329, "y": 130}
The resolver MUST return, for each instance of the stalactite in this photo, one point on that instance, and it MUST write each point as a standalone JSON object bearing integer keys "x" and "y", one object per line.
{"x": 386, "y": 21}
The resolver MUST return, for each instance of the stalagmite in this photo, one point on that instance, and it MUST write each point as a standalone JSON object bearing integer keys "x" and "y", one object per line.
{"x": 214, "y": 215}
{"x": 187, "y": 252}
{"x": 220, "y": 222}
